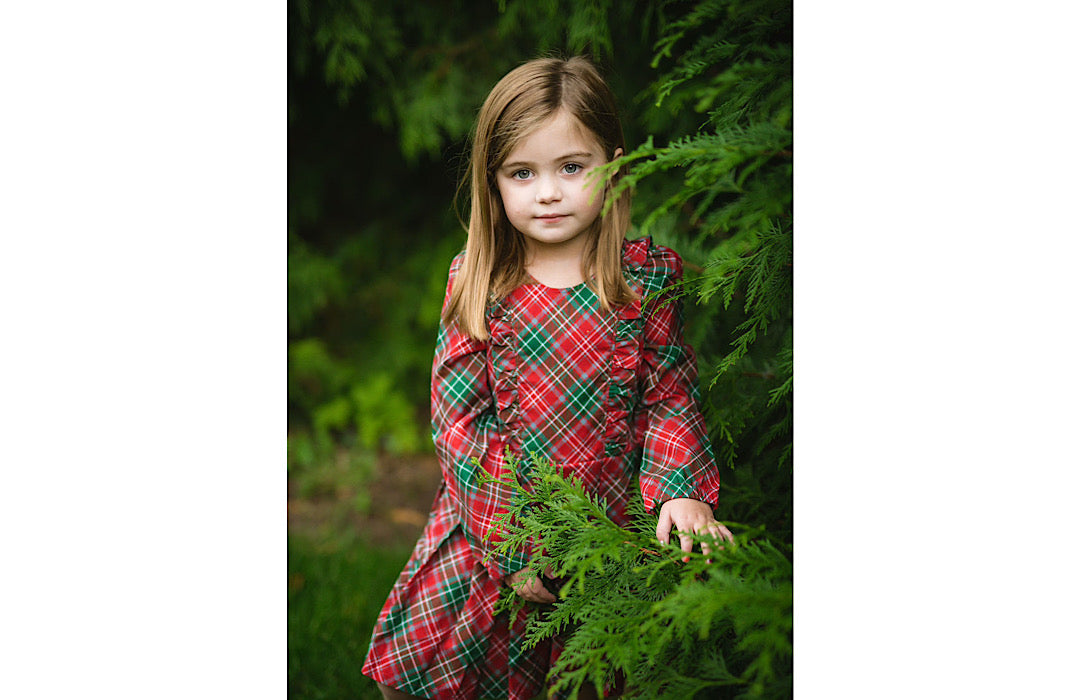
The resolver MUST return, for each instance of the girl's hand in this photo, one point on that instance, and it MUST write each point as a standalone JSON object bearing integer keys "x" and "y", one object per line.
{"x": 689, "y": 515}
{"x": 528, "y": 586}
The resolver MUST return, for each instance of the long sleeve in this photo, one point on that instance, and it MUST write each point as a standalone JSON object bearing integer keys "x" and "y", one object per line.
{"x": 465, "y": 432}
{"x": 677, "y": 460}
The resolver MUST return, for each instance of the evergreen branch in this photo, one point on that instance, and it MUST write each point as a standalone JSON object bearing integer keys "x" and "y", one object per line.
{"x": 632, "y": 607}
{"x": 787, "y": 366}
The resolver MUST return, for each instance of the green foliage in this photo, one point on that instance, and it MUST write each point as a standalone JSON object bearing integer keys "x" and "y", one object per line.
{"x": 346, "y": 407}
{"x": 345, "y": 474}
{"x": 314, "y": 283}
{"x": 380, "y": 411}
{"x": 335, "y": 593}
{"x": 711, "y": 626}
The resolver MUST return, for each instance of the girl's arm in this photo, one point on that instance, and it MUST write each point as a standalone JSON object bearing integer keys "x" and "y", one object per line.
{"x": 678, "y": 471}
{"x": 464, "y": 427}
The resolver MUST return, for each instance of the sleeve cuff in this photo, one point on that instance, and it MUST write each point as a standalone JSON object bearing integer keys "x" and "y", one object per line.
{"x": 501, "y": 566}
{"x": 699, "y": 480}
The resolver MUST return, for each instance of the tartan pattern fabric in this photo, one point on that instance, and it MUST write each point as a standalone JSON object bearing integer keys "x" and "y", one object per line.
{"x": 609, "y": 396}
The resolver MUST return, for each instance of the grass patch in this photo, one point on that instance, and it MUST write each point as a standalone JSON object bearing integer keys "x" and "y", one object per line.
{"x": 336, "y": 589}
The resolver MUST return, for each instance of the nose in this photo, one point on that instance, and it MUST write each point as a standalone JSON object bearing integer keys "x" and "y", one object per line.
{"x": 547, "y": 190}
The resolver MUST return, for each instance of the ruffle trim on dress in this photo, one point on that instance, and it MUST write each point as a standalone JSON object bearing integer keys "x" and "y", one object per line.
{"x": 503, "y": 360}
{"x": 626, "y": 354}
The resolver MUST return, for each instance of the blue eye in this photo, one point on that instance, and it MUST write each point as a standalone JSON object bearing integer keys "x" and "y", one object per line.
{"x": 520, "y": 174}
{"x": 571, "y": 168}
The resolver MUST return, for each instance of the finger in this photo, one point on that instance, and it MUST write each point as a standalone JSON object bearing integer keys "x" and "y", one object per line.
{"x": 542, "y": 594}
{"x": 663, "y": 528}
{"x": 519, "y": 586}
{"x": 537, "y": 593}
{"x": 548, "y": 596}
{"x": 713, "y": 529}
{"x": 686, "y": 542}
{"x": 529, "y": 596}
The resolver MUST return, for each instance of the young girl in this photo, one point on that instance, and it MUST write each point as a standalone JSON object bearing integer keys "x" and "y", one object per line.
{"x": 545, "y": 347}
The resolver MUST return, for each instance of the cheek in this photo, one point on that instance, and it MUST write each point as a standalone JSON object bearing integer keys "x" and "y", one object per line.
{"x": 512, "y": 203}
{"x": 590, "y": 200}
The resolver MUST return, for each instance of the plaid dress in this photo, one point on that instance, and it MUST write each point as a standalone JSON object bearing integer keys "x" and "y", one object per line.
{"x": 610, "y": 396}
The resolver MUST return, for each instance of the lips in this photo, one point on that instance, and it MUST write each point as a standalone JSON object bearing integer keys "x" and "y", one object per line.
{"x": 551, "y": 218}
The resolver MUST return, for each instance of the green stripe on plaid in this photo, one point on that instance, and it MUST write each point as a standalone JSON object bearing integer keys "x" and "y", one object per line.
{"x": 582, "y": 402}
{"x": 584, "y": 300}
{"x": 535, "y": 343}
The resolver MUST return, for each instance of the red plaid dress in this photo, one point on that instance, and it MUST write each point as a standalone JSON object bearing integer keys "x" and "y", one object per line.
{"x": 610, "y": 396}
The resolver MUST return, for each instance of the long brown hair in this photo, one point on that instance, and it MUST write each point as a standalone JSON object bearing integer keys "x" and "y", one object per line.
{"x": 494, "y": 262}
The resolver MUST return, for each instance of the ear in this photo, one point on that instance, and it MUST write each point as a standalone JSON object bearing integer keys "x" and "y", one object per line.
{"x": 618, "y": 153}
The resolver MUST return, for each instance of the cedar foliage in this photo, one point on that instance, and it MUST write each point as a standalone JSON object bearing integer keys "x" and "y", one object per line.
{"x": 633, "y": 612}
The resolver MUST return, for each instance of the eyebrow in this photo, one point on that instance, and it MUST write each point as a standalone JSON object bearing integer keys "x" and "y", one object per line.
{"x": 575, "y": 154}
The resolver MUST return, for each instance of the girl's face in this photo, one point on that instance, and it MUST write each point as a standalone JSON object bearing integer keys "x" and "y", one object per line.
{"x": 545, "y": 186}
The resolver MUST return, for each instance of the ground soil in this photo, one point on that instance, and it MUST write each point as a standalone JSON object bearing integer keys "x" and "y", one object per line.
{"x": 401, "y": 495}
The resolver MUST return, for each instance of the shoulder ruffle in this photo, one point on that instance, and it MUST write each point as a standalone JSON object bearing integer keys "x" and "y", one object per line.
{"x": 635, "y": 253}
{"x": 651, "y": 266}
